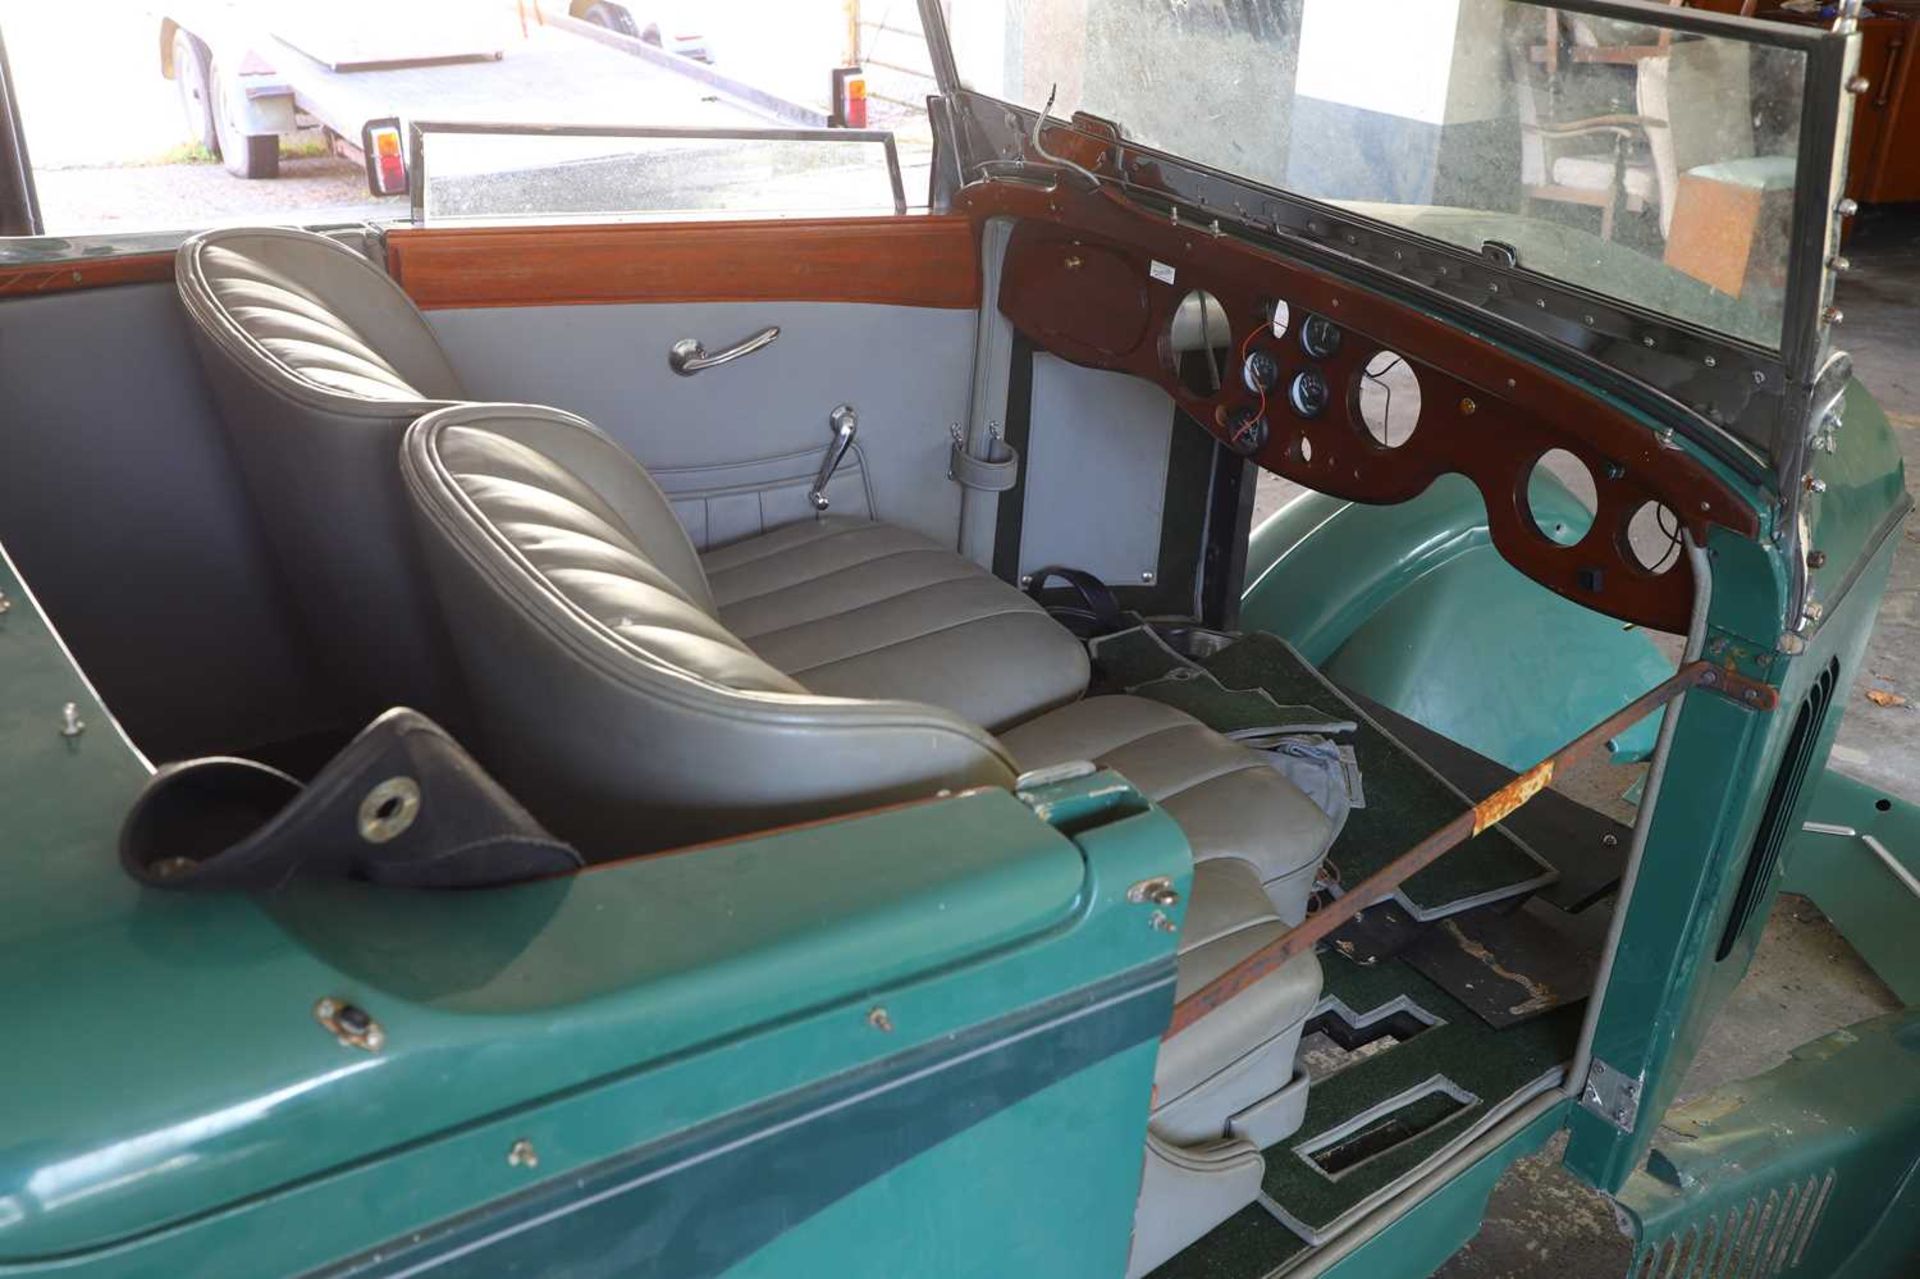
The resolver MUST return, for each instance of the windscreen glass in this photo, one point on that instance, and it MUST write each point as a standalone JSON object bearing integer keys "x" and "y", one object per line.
{"x": 1649, "y": 164}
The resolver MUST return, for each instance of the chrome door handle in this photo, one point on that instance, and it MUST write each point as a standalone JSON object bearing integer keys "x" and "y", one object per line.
{"x": 688, "y": 356}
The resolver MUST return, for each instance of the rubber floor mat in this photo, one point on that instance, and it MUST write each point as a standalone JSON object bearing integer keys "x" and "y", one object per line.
{"x": 1406, "y": 800}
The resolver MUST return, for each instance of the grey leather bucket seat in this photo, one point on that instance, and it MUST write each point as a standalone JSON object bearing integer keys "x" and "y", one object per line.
{"x": 613, "y": 699}
{"x": 319, "y": 362}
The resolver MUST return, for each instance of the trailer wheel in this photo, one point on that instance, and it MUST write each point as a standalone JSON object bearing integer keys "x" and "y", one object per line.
{"x": 193, "y": 76}
{"x": 246, "y": 155}
{"x": 614, "y": 17}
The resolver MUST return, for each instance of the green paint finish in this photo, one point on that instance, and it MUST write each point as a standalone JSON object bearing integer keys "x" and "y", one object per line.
{"x": 1048, "y": 1207}
{"x": 1665, "y": 985}
{"x": 1467, "y": 650}
{"x": 1809, "y": 1166}
{"x": 1411, "y": 605}
{"x": 1865, "y": 480}
{"x": 171, "y": 1089}
{"x": 1853, "y": 887}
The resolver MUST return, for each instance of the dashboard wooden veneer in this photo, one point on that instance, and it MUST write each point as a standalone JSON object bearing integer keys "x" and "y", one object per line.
{"x": 1085, "y": 278}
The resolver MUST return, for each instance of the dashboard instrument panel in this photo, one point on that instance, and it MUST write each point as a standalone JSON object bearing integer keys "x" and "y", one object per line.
{"x": 1298, "y": 370}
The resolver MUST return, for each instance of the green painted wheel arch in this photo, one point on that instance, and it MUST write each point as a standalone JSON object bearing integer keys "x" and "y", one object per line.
{"x": 1411, "y": 605}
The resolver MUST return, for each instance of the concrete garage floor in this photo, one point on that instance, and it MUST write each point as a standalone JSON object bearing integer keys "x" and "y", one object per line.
{"x": 1805, "y": 979}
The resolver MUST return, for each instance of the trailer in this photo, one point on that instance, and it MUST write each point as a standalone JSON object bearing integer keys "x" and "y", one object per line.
{"x": 251, "y": 74}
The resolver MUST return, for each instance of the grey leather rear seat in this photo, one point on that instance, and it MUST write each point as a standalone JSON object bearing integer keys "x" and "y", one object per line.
{"x": 319, "y": 362}
{"x": 615, "y": 699}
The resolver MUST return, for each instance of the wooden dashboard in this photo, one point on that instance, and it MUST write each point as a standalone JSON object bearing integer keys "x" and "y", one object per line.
{"x": 1097, "y": 281}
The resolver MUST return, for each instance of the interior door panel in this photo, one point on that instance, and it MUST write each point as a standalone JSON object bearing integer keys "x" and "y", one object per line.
{"x": 875, "y": 312}
{"x": 907, "y": 370}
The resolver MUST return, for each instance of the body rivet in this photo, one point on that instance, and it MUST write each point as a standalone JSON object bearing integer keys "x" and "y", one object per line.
{"x": 71, "y": 725}
{"x": 521, "y": 1154}
{"x": 878, "y": 1018}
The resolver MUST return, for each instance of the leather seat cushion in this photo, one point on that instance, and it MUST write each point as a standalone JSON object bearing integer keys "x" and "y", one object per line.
{"x": 1227, "y": 798}
{"x": 853, "y": 608}
{"x": 1241, "y": 1052}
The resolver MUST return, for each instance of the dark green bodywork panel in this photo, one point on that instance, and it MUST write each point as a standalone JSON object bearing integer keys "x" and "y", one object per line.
{"x": 1666, "y": 984}
{"x": 1852, "y": 887}
{"x": 174, "y": 1107}
{"x": 1808, "y": 1168}
{"x": 1411, "y": 605}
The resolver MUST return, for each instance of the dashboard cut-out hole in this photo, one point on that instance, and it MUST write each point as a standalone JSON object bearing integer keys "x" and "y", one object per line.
{"x": 1280, "y": 317}
{"x": 1562, "y": 497}
{"x": 1389, "y": 398}
{"x": 1302, "y": 449}
{"x": 1201, "y": 338}
{"x": 1653, "y": 537}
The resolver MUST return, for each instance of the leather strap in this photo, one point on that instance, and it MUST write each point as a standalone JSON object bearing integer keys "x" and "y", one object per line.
{"x": 996, "y": 473}
{"x": 1099, "y": 612}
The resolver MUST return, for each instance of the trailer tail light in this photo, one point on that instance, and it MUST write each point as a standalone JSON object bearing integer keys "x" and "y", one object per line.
{"x": 849, "y": 98}
{"x": 386, "y": 157}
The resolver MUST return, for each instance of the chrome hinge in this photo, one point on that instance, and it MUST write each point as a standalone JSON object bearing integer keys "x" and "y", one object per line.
{"x": 1612, "y": 1094}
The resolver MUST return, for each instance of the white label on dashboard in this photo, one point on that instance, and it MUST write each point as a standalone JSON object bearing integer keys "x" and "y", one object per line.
{"x": 1161, "y": 272}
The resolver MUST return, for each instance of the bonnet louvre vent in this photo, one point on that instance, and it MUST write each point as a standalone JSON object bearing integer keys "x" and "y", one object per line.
{"x": 1782, "y": 801}
{"x": 1762, "y": 1237}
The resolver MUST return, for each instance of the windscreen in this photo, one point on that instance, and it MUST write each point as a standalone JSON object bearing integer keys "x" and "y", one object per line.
{"x": 1652, "y": 165}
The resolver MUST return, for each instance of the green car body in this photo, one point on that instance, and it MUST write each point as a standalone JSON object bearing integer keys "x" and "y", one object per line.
{"x": 921, "y": 1040}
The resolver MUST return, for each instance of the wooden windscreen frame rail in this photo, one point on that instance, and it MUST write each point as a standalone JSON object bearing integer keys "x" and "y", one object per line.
{"x": 1498, "y": 806}
{"x": 929, "y": 260}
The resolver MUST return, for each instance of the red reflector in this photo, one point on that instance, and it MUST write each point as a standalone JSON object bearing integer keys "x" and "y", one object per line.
{"x": 854, "y": 111}
{"x": 393, "y": 174}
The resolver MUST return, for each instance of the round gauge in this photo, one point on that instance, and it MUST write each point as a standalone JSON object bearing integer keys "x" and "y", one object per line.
{"x": 1318, "y": 337}
{"x": 1309, "y": 394}
{"x": 1261, "y": 372}
{"x": 1246, "y": 432}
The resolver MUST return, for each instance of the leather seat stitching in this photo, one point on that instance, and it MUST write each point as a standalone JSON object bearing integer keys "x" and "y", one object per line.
{"x": 914, "y": 639}
{"x": 838, "y": 615}
{"x": 824, "y": 574}
{"x": 781, "y": 550}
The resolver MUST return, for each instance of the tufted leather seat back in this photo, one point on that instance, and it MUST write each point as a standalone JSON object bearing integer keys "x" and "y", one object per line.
{"x": 318, "y": 363}
{"x": 606, "y": 693}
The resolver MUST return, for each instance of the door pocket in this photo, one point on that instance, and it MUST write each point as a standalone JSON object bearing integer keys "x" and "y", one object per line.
{"x": 725, "y": 503}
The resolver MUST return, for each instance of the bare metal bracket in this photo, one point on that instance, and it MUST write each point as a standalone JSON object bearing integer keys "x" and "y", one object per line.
{"x": 1612, "y": 1094}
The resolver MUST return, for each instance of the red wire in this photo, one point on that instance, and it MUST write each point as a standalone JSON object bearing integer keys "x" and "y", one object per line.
{"x": 1245, "y": 348}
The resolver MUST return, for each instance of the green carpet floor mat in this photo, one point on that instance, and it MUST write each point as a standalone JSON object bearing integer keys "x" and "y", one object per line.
{"x": 1406, "y": 800}
{"x": 1386, "y": 1112}
{"x": 1380, "y": 1116}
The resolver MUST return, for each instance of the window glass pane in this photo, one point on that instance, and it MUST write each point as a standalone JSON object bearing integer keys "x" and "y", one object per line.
{"x": 493, "y": 175}
{"x": 135, "y": 114}
{"x": 1650, "y": 165}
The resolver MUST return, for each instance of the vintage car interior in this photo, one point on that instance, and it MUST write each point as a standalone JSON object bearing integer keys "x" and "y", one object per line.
{"x": 663, "y": 608}
{"x": 669, "y": 534}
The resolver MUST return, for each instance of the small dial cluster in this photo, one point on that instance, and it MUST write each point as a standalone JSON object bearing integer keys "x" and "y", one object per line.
{"x": 1309, "y": 393}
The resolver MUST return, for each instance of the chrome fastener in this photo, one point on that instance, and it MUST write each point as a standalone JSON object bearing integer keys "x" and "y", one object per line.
{"x": 71, "y": 725}
{"x": 351, "y": 1024}
{"x": 521, "y": 1154}
{"x": 1159, "y": 890}
{"x": 880, "y": 1020}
